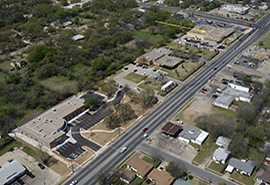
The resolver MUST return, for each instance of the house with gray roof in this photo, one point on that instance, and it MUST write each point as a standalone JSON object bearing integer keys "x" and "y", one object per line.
{"x": 193, "y": 134}
{"x": 223, "y": 142}
{"x": 221, "y": 155}
{"x": 242, "y": 166}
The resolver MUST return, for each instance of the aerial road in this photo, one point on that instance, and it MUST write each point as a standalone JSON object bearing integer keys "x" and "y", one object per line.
{"x": 111, "y": 156}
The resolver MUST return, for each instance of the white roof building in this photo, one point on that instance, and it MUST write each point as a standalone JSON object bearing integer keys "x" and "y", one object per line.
{"x": 236, "y": 9}
{"x": 223, "y": 142}
{"x": 160, "y": 1}
{"x": 10, "y": 171}
{"x": 77, "y": 37}
{"x": 221, "y": 155}
{"x": 193, "y": 134}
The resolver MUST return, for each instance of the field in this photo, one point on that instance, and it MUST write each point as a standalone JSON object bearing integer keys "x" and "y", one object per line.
{"x": 266, "y": 41}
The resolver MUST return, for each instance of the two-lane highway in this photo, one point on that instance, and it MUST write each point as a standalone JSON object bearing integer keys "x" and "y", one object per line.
{"x": 133, "y": 137}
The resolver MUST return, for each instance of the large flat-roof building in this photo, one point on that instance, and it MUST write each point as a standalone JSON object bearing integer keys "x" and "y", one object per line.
{"x": 10, "y": 171}
{"x": 212, "y": 34}
{"x": 193, "y": 134}
{"x": 229, "y": 95}
{"x": 236, "y": 9}
{"x": 48, "y": 128}
{"x": 153, "y": 55}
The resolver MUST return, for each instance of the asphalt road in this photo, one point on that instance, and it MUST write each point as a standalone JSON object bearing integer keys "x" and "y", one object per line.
{"x": 133, "y": 137}
{"x": 203, "y": 15}
{"x": 190, "y": 168}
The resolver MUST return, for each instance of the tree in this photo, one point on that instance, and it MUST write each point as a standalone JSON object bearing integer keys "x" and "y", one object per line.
{"x": 246, "y": 112}
{"x": 42, "y": 154}
{"x": 175, "y": 168}
{"x": 64, "y": 2}
{"x": 90, "y": 102}
{"x": 247, "y": 80}
{"x": 238, "y": 147}
{"x": 261, "y": 43}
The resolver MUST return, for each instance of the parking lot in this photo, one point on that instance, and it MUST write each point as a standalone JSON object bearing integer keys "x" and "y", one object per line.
{"x": 248, "y": 62}
{"x": 91, "y": 94}
{"x": 70, "y": 150}
{"x": 45, "y": 176}
{"x": 80, "y": 118}
{"x": 96, "y": 118}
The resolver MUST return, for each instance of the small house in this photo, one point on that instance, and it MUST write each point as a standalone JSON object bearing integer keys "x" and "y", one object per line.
{"x": 221, "y": 155}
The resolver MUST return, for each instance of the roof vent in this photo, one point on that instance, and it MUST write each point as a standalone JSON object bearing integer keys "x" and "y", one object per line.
{"x": 191, "y": 131}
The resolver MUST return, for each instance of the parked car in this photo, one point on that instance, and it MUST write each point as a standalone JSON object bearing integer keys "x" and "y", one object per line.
{"x": 73, "y": 182}
{"x": 135, "y": 70}
{"x": 236, "y": 62}
{"x": 145, "y": 129}
{"x": 202, "y": 92}
{"x": 41, "y": 166}
{"x": 125, "y": 68}
{"x": 20, "y": 181}
{"x": 154, "y": 70}
{"x": 30, "y": 174}
{"x": 10, "y": 149}
{"x": 123, "y": 150}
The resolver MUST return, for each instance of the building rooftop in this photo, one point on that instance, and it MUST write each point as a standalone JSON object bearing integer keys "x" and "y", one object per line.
{"x": 235, "y": 8}
{"x": 48, "y": 125}
{"x": 142, "y": 166}
{"x": 229, "y": 95}
{"x": 212, "y": 33}
{"x": 221, "y": 154}
{"x": 190, "y": 132}
{"x": 171, "y": 129}
{"x": 127, "y": 174}
{"x": 77, "y": 37}
{"x": 181, "y": 182}
{"x": 155, "y": 54}
{"x": 264, "y": 175}
{"x": 223, "y": 141}
{"x": 243, "y": 166}
{"x": 169, "y": 61}
{"x": 162, "y": 177}
{"x": 10, "y": 170}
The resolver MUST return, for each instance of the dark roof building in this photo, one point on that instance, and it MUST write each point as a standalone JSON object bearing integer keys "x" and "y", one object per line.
{"x": 171, "y": 129}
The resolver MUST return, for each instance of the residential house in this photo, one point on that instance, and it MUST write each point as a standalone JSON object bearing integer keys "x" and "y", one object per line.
{"x": 221, "y": 155}
{"x": 160, "y": 1}
{"x": 264, "y": 176}
{"x": 161, "y": 177}
{"x": 193, "y": 134}
{"x": 242, "y": 166}
{"x": 141, "y": 167}
{"x": 181, "y": 182}
{"x": 127, "y": 176}
{"x": 223, "y": 142}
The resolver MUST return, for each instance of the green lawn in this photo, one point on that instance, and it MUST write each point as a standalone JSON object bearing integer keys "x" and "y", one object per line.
{"x": 266, "y": 41}
{"x": 134, "y": 77}
{"x": 204, "y": 53}
{"x": 183, "y": 71}
{"x": 243, "y": 178}
{"x": 149, "y": 83}
{"x": 207, "y": 149}
{"x": 143, "y": 35}
{"x": 216, "y": 167}
{"x": 60, "y": 83}
{"x": 227, "y": 112}
{"x": 136, "y": 181}
{"x": 151, "y": 161}
{"x": 13, "y": 144}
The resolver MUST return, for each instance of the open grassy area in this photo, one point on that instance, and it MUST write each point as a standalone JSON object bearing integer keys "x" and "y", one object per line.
{"x": 151, "y": 161}
{"x": 134, "y": 77}
{"x": 137, "y": 181}
{"x": 185, "y": 48}
{"x": 266, "y": 41}
{"x": 229, "y": 113}
{"x": 243, "y": 178}
{"x": 207, "y": 149}
{"x": 216, "y": 167}
{"x": 13, "y": 144}
{"x": 184, "y": 71}
{"x": 149, "y": 83}
{"x": 150, "y": 37}
{"x": 59, "y": 83}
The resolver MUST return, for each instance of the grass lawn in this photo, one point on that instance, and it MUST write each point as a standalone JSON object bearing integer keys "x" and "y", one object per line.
{"x": 230, "y": 113}
{"x": 151, "y": 161}
{"x": 137, "y": 181}
{"x": 216, "y": 167}
{"x": 243, "y": 178}
{"x": 152, "y": 38}
{"x": 134, "y": 77}
{"x": 201, "y": 52}
{"x": 184, "y": 70}
{"x": 59, "y": 83}
{"x": 151, "y": 84}
{"x": 266, "y": 41}
{"x": 207, "y": 149}
{"x": 13, "y": 144}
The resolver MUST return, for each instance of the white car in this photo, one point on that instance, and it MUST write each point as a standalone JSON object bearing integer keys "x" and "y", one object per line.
{"x": 123, "y": 150}
{"x": 73, "y": 182}
{"x": 145, "y": 135}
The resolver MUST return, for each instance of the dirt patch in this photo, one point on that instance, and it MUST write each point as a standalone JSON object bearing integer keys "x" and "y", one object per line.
{"x": 199, "y": 106}
{"x": 86, "y": 156}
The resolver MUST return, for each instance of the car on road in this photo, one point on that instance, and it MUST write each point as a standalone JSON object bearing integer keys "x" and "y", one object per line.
{"x": 123, "y": 150}
{"x": 215, "y": 68}
{"x": 145, "y": 135}
{"x": 145, "y": 129}
{"x": 41, "y": 166}
{"x": 73, "y": 182}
